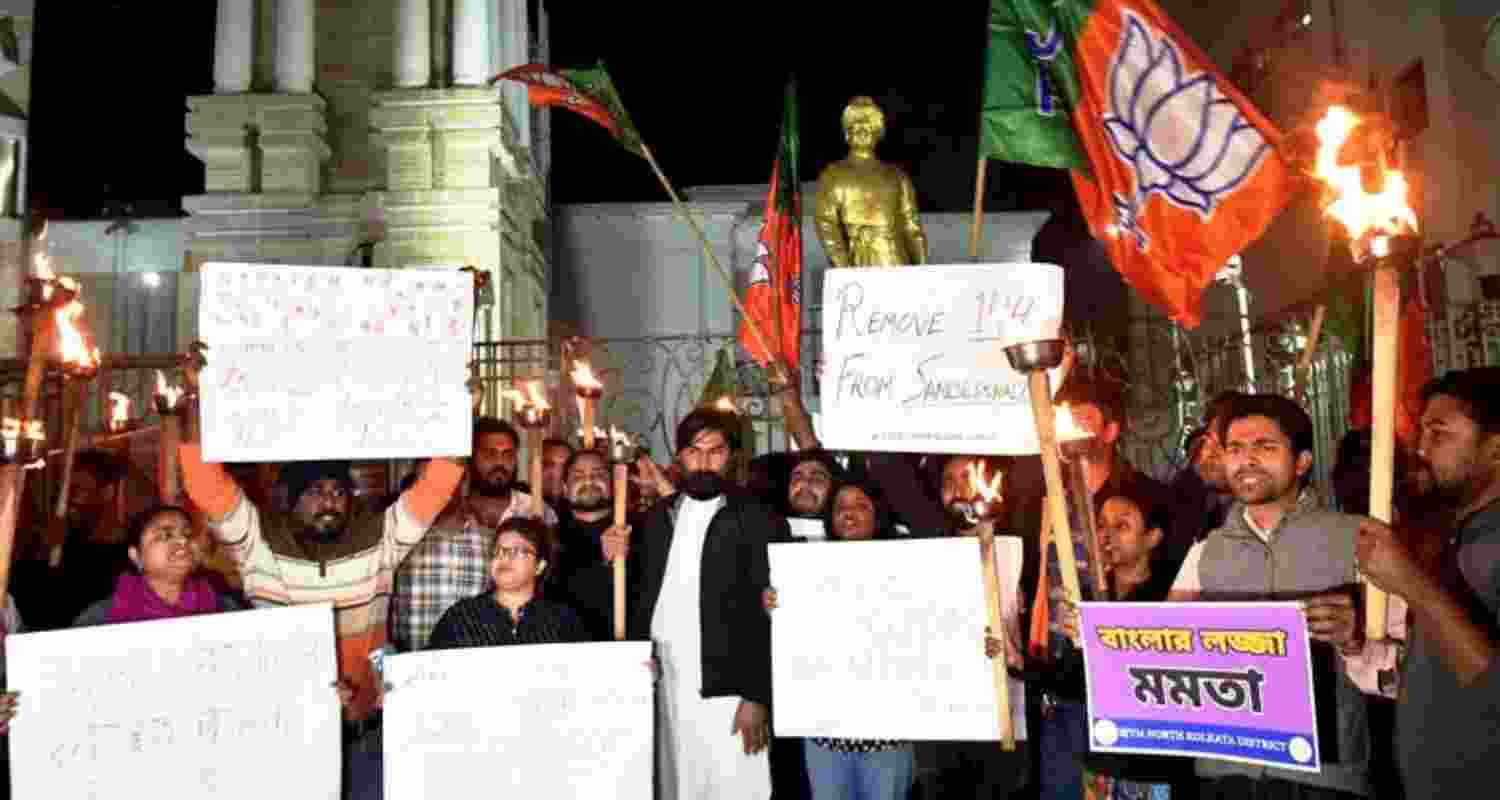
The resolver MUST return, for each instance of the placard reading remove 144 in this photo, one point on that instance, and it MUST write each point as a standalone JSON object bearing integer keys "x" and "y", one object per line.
{"x": 914, "y": 357}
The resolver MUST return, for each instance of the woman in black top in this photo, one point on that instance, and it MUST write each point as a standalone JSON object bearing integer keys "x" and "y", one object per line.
{"x": 1131, "y": 525}
{"x": 512, "y": 613}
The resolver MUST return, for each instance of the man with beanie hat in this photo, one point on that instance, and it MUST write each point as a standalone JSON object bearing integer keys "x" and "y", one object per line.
{"x": 318, "y": 552}
{"x": 704, "y": 569}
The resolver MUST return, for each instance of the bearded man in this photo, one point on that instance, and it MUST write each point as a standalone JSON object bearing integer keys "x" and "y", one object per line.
{"x": 589, "y": 541}
{"x": 452, "y": 561}
{"x": 704, "y": 569}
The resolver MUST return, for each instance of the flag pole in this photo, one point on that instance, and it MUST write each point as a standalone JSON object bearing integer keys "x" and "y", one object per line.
{"x": 760, "y": 338}
{"x": 1310, "y": 351}
{"x": 975, "y": 228}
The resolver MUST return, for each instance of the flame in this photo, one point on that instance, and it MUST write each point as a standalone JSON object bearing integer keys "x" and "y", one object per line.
{"x": 1362, "y": 213}
{"x": 583, "y": 377}
{"x": 34, "y": 430}
{"x": 726, "y": 404}
{"x": 119, "y": 410}
{"x": 72, "y": 345}
{"x": 987, "y": 490}
{"x": 538, "y": 395}
{"x": 171, "y": 393}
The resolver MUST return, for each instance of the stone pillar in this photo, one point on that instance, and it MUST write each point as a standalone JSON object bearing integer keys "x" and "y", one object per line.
{"x": 295, "y": 64}
{"x": 413, "y": 44}
{"x": 234, "y": 55}
{"x": 471, "y": 42}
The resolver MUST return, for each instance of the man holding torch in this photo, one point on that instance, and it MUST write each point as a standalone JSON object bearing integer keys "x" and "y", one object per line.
{"x": 590, "y": 540}
{"x": 1448, "y": 710}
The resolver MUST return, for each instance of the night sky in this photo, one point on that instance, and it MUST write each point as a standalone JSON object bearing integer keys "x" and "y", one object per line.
{"x": 703, "y": 82}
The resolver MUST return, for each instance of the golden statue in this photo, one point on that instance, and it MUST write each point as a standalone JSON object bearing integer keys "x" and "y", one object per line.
{"x": 867, "y": 210}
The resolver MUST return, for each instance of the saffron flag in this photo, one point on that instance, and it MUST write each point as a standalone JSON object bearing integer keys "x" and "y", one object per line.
{"x": 774, "y": 297}
{"x": 589, "y": 92}
{"x": 1183, "y": 172}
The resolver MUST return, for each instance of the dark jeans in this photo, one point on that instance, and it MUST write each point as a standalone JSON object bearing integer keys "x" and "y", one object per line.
{"x": 1062, "y": 737}
{"x": 789, "y": 770}
{"x": 1243, "y": 788}
{"x": 956, "y": 770}
{"x": 364, "y": 766}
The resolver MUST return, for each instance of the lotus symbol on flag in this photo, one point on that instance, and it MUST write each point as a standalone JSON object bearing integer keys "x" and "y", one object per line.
{"x": 759, "y": 271}
{"x": 1182, "y": 137}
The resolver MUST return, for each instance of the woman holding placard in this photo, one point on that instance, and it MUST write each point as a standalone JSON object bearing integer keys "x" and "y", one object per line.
{"x": 1131, "y": 526}
{"x": 513, "y": 613}
{"x": 869, "y": 769}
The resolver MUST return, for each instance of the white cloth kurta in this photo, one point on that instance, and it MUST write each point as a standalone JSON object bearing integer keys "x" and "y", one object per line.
{"x": 698, "y": 755}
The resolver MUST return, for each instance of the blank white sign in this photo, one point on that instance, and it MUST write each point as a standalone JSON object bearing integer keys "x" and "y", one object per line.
{"x": 308, "y": 363}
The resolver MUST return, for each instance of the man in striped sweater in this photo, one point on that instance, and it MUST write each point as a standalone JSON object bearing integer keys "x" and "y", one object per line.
{"x": 322, "y": 551}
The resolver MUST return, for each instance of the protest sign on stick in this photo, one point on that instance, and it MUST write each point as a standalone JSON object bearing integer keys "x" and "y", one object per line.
{"x": 554, "y": 720}
{"x": 327, "y": 362}
{"x": 914, "y": 359}
{"x": 897, "y": 620}
{"x": 191, "y": 707}
{"x": 1229, "y": 681}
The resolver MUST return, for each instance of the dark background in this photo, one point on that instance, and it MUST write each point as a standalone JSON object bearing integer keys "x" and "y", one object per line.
{"x": 702, "y": 81}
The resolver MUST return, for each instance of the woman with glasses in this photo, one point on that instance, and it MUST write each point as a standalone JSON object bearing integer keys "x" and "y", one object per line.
{"x": 512, "y": 613}
{"x": 168, "y": 579}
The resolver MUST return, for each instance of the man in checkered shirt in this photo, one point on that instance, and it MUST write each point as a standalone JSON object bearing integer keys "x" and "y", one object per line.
{"x": 452, "y": 561}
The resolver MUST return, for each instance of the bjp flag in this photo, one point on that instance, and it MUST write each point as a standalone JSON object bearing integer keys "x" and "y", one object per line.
{"x": 1178, "y": 171}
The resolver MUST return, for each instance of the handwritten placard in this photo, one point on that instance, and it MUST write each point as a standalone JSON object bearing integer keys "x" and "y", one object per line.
{"x": 1229, "y": 681}
{"x": 327, "y": 362}
{"x": 554, "y": 720}
{"x": 194, "y": 707}
{"x": 899, "y": 620}
{"x": 914, "y": 358}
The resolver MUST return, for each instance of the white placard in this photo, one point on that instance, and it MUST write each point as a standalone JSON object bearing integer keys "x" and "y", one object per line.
{"x": 226, "y": 706}
{"x": 902, "y": 621}
{"x": 311, "y": 363}
{"x": 914, "y": 357}
{"x": 553, "y": 720}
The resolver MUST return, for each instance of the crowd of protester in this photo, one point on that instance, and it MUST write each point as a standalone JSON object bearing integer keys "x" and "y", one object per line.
{"x": 469, "y": 556}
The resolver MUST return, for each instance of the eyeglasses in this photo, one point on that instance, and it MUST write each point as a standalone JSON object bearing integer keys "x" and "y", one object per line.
{"x": 507, "y": 553}
{"x": 169, "y": 536}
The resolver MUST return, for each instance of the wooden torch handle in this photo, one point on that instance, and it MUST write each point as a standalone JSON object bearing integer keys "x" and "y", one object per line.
{"x": 622, "y": 492}
{"x": 995, "y": 619}
{"x": 1387, "y": 301}
{"x": 1040, "y": 388}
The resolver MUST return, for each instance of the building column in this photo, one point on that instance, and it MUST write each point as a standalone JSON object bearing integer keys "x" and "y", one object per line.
{"x": 295, "y": 64}
{"x": 234, "y": 55}
{"x": 471, "y": 42}
{"x": 413, "y": 44}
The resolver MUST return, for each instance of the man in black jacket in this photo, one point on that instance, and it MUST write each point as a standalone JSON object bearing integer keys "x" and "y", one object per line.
{"x": 704, "y": 568}
{"x": 589, "y": 540}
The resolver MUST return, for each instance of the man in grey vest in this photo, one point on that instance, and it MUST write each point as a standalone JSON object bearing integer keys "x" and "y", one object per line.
{"x": 1276, "y": 544}
{"x": 1448, "y": 713}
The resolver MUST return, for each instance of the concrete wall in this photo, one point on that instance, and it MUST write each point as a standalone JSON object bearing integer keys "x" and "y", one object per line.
{"x": 637, "y": 269}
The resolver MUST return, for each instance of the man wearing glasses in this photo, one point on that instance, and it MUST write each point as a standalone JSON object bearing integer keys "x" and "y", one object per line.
{"x": 704, "y": 568}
